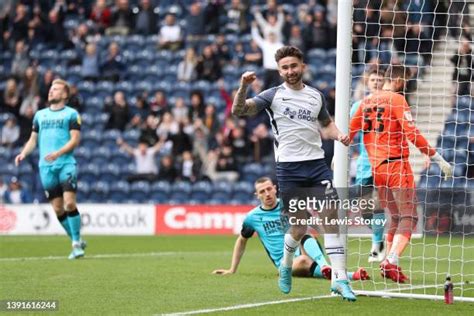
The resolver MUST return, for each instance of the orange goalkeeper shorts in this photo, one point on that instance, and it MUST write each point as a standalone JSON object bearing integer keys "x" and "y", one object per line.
{"x": 395, "y": 174}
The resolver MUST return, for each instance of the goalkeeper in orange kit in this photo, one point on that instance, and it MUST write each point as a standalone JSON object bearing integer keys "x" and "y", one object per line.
{"x": 387, "y": 124}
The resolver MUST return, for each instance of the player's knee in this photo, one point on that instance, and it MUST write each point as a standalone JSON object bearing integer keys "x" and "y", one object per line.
{"x": 70, "y": 206}
{"x": 408, "y": 225}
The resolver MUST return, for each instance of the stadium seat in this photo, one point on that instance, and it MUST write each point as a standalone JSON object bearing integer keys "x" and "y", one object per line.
{"x": 9, "y": 170}
{"x": 161, "y": 187}
{"x": 26, "y": 173}
{"x": 243, "y": 191}
{"x": 316, "y": 56}
{"x": 134, "y": 73}
{"x": 134, "y": 42}
{"x": 142, "y": 86}
{"x": 91, "y": 138}
{"x": 120, "y": 158}
{"x": 86, "y": 89}
{"x": 100, "y": 120}
{"x": 251, "y": 172}
{"x": 110, "y": 137}
{"x": 181, "y": 89}
{"x": 131, "y": 136}
{"x": 201, "y": 191}
{"x": 82, "y": 155}
{"x": 109, "y": 173}
{"x": 153, "y": 74}
{"x": 222, "y": 187}
{"x": 101, "y": 156}
{"x": 464, "y": 102}
{"x": 83, "y": 190}
{"x": 127, "y": 169}
{"x": 144, "y": 58}
{"x": 104, "y": 89}
{"x": 88, "y": 173}
{"x": 99, "y": 192}
{"x": 140, "y": 190}
{"x": 119, "y": 191}
{"x": 48, "y": 58}
{"x": 68, "y": 56}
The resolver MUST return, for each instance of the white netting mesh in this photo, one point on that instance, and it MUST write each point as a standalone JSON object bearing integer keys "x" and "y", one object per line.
{"x": 434, "y": 39}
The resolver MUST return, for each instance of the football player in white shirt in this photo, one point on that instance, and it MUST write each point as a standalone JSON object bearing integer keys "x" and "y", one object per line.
{"x": 297, "y": 112}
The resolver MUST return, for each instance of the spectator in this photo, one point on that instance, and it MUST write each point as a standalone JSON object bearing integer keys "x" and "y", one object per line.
{"x": 208, "y": 67}
{"x": 190, "y": 168}
{"x": 11, "y": 97}
{"x": 55, "y": 32}
{"x": 237, "y": 55}
{"x": 167, "y": 126}
{"x": 27, "y": 112}
{"x": 296, "y": 38}
{"x": 30, "y": 86}
{"x": 187, "y": 67}
{"x": 236, "y": 17}
{"x": 210, "y": 119}
{"x": 272, "y": 24}
{"x": 90, "y": 63}
{"x": 195, "y": 22}
{"x": 18, "y": 30}
{"x": 262, "y": 143}
{"x": 197, "y": 106}
{"x": 75, "y": 99}
{"x": 463, "y": 65}
{"x": 180, "y": 110}
{"x": 240, "y": 146}
{"x": 36, "y": 27}
{"x": 101, "y": 15}
{"x": 80, "y": 39}
{"x": 253, "y": 54}
{"x": 45, "y": 84}
{"x": 200, "y": 140}
{"x": 145, "y": 18}
{"x": 167, "y": 170}
{"x": 221, "y": 50}
{"x": 140, "y": 111}
{"x": 113, "y": 67}
{"x": 20, "y": 61}
{"x": 315, "y": 33}
{"x": 171, "y": 36}
{"x": 145, "y": 164}
{"x": 10, "y": 133}
{"x": 16, "y": 194}
{"x": 181, "y": 141}
{"x": 269, "y": 46}
{"x": 148, "y": 132}
{"x": 121, "y": 20}
{"x": 159, "y": 104}
{"x": 119, "y": 112}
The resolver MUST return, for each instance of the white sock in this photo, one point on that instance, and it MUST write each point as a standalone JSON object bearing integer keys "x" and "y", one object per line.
{"x": 289, "y": 251}
{"x": 393, "y": 258}
{"x": 337, "y": 255}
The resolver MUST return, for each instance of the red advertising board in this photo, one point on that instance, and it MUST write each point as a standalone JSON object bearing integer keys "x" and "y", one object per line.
{"x": 200, "y": 219}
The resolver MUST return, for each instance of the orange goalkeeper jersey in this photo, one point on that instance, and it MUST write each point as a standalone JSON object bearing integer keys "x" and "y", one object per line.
{"x": 386, "y": 121}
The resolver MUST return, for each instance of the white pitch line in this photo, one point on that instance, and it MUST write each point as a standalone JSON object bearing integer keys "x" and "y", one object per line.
{"x": 252, "y": 305}
{"x": 112, "y": 256}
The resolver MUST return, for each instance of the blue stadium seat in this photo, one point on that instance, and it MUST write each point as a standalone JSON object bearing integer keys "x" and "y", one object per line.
{"x": 48, "y": 58}
{"x": 142, "y": 86}
{"x": 222, "y": 187}
{"x": 101, "y": 156}
{"x": 87, "y": 121}
{"x": 104, "y": 89}
{"x": 153, "y": 73}
{"x": 134, "y": 73}
{"x": 181, "y": 89}
{"x": 100, "y": 120}
{"x": 119, "y": 191}
{"x": 110, "y": 173}
{"x": 124, "y": 86}
{"x": 144, "y": 58}
{"x": 86, "y": 89}
{"x": 131, "y": 136}
{"x": 68, "y": 56}
{"x": 99, "y": 192}
{"x": 464, "y": 102}
{"x": 83, "y": 190}
{"x": 134, "y": 42}
{"x": 127, "y": 169}
{"x": 201, "y": 191}
{"x": 109, "y": 138}
{"x": 140, "y": 190}
{"x": 252, "y": 171}
{"x": 243, "y": 191}
{"x": 161, "y": 187}
{"x": 88, "y": 173}
{"x": 9, "y": 170}
{"x": 120, "y": 158}
{"x": 162, "y": 86}
{"x": 316, "y": 55}
{"x": 91, "y": 138}
{"x": 82, "y": 155}
{"x": 26, "y": 173}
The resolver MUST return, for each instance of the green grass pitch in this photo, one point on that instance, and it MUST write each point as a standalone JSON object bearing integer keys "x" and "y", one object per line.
{"x": 159, "y": 275}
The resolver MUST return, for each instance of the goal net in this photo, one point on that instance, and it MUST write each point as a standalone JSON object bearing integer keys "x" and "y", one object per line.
{"x": 433, "y": 39}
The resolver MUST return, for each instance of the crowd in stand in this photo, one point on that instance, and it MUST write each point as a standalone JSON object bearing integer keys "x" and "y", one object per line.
{"x": 193, "y": 137}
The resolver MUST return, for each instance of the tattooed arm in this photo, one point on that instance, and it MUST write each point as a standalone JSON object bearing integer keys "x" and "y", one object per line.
{"x": 243, "y": 106}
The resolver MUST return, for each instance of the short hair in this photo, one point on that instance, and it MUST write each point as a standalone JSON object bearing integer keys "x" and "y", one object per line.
{"x": 394, "y": 72}
{"x": 375, "y": 69}
{"x": 262, "y": 180}
{"x": 65, "y": 85}
{"x": 286, "y": 51}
